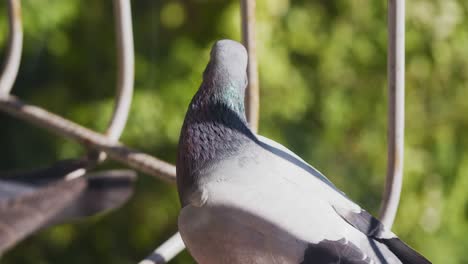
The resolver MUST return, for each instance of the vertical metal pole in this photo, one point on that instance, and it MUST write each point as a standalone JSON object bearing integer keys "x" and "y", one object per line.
{"x": 125, "y": 74}
{"x": 15, "y": 47}
{"x": 126, "y": 65}
{"x": 252, "y": 100}
{"x": 396, "y": 110}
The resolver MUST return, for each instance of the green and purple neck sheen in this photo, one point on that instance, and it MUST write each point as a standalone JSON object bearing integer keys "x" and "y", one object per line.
{"x": 215, "y": 126}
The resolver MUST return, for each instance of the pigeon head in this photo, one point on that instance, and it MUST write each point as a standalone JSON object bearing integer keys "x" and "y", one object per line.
{"x": 225, "y": 77}
{"x": 228, "y": 62}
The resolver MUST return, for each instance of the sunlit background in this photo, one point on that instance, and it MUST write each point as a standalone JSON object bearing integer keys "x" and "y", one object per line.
{"x": 323, "y": 95}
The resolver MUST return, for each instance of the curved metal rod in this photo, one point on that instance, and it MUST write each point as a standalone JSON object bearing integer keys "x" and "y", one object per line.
{"x": 126, "y": 65}
{"x": 167, "y": 251}
{"x": 15, "y": 47}
{"x": 68, "y": 129}
{"x": 396, "y": 111}
{"x": 252, "y": 100}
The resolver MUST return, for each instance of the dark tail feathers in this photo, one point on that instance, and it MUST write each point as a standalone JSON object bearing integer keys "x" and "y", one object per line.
{"x": 405, "y": 253}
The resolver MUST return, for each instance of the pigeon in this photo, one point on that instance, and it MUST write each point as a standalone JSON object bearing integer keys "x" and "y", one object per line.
{"x": 32, "y": 200}
{"x": 247, "y": 199}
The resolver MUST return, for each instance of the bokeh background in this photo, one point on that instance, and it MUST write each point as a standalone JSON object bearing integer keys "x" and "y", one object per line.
{"x": 323, "y": 95}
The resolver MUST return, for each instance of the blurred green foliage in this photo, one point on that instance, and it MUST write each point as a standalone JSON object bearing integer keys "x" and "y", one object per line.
{"x": 323, "y": 94}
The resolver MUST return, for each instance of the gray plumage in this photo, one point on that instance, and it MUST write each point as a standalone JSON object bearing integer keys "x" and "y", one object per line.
{"x": 35, "y": 199}
{"x": 248, "y": 199}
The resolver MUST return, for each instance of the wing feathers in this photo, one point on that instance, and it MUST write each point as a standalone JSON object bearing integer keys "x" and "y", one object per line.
{"x": 404, "y": 252}
{"x": 373, "y": 228}
{"x": 38, "y": 177}
{"x": 21, "y": 216}
{"x": 340, "y": 251}
{"x": 362, "y": 221}
{"x": 106, "y": 190}
{"x": 35, "y": 199}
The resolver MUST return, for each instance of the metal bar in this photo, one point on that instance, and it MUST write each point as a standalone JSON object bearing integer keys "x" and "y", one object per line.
{"x": 396, "y": 111}
{"x": 126, "y": 65}
{"x": 63, "y": 127}
{"x": 15, "y": 47}
{"x": 252, "y": 100}
{"x": 167, "y": 251}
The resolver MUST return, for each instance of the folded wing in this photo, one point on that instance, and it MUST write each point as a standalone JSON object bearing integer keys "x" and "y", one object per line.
{"x": 35, "y": 199}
